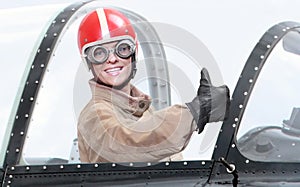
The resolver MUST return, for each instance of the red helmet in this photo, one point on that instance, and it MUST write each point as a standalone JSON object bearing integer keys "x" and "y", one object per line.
{"x": 101, "y": 26}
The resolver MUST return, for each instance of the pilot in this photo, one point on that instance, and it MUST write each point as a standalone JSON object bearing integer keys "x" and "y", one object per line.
{"x": 119, "y": 124}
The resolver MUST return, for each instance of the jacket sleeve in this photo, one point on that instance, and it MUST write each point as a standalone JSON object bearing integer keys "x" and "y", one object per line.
{"x": 154, "y": 136}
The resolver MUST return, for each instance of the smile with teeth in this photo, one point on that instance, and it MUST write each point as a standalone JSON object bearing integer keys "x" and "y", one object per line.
{"x": 114, "y": 71}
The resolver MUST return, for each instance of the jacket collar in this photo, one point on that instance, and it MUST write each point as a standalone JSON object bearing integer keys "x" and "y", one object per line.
{"x": 136, "y": 103}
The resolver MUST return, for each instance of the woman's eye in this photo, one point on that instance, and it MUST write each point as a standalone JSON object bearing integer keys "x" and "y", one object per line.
{"x": 98, "y": 53}
{"x": 125, "y": 48}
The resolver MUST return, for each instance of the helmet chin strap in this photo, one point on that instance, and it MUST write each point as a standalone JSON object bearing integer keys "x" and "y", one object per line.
{"x": 121, "y": 86}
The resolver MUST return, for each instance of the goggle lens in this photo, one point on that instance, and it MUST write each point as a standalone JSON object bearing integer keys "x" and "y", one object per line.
{"x": 99, "y": 54}
{"x": 124, "y": 50}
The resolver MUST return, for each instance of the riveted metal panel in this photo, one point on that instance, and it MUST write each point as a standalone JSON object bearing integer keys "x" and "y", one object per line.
{"x": 107, "y": 173}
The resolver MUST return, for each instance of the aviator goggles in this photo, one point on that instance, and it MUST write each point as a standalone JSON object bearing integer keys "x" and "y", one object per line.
{"x": 99, "y": 54}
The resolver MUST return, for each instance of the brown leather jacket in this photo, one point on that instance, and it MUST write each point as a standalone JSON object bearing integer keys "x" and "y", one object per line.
{"x": 116, "y": 127}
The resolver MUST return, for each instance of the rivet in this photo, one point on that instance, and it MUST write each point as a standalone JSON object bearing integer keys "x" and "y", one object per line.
{"x": 287, "y": 28}
{"x": 36, "y": 82}
{"x": 27, "y": 168}
{"x": 42, "y": 65}
{"x": 27, "y": 83}
{"x": 236, "y": 119}
{"x": 63, "y": 20}
{"x": 45, "y": 36}
{"x": 250, "y": 80}
{"x": 44, "y": 167}
{"x": 245, "y": 93}
{"x": 21, "y": 133}
{"x": 32, "y": 66}
{"x": 10, "y": 176}
{"x": 78, "y": 166}
{"x": 216, "y": 146}
{"x": 48, "y": 49}
{"x": 275, "y": 36}
{"x": 17, "y": 116}
{"x": 268, "y": 46}
{"x": 240, "y": 106}
{"x": 22, "y": 100}
{"x": 7, "y": 151}
{"x": 293, "y": 144}
{"x": 17, "y": 150}
{"x": 247, "y": 161}
{"x": 31, "y": 99}
{"x": 233, "y": 125}
{"x": 73, "y": 9}
{"x": 233, "y": 145}
{"x": 185, "y": 163}
{"x": 9, "y": 182}
{"x": 113, "y": 165}
{"x": 148, "y": 164}
{"x": 167, "y": 163}
{"x": 55, "y": 34}
{"x": 26, "y": 115}
{"x": 38, "y": 51}
{"x": 96, "y": 165}
{"x": 262, "y": 57}
{"x": 61, "y": 167}
{"x": 283, "y": 30}
{"x": 203, "y": 163}
{"x": 278, "y": 156}
{"x": 255, "y": 68}
{"x": 54, "y": 21}
{"x": 12, "y": 168}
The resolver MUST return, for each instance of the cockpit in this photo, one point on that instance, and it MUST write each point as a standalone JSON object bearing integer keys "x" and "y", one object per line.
{"x": 262, "y": 127}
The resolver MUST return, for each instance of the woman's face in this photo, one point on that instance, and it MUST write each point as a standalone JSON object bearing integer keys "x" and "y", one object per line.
{"x": 115, "y": 70}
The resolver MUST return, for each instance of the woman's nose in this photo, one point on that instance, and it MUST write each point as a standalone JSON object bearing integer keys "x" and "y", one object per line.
{"x": 112, "y": 58}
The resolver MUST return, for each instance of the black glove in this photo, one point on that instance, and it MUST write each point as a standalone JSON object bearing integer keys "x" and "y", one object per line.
{"x": 211, "y": 103}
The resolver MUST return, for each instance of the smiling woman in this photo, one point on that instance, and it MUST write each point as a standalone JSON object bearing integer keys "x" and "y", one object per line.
{"x": 118, "y": 70}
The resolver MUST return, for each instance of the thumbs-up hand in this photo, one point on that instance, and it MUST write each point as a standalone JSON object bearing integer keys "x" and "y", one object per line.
{"x": 211, "y": 103}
